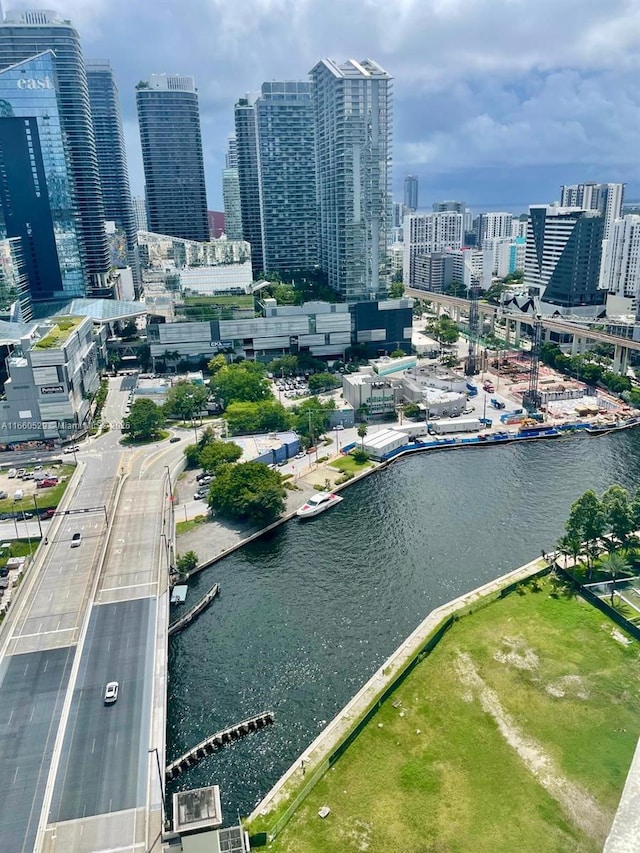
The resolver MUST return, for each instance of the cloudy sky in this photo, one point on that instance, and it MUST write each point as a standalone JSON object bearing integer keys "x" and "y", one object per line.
{"x": 496, "y": 102}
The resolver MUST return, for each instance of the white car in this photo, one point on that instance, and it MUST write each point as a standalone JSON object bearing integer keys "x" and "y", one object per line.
{"x": 111, "y": 693}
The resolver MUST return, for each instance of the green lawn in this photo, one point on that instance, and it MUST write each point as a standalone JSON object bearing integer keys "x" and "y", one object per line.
{"x": 515, "y": 734}
{"x": 183, "y": 527}
{"x": 19, "y": 548}
{"x": 348, "y": 465}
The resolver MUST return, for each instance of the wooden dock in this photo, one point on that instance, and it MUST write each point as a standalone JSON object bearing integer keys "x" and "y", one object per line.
{"x": 215, "y": 742}
{"x": 190, "y": 615}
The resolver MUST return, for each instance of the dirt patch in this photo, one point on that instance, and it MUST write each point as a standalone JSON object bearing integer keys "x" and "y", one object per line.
{"x": 620, "y": 637}
{"x": 569, "y": 685}
{"x": 579, "y": 805}
{"x": 358, "y": 835}
{"x": 517, "y": 654}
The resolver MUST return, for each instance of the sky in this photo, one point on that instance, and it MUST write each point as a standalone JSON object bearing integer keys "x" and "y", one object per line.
{"x": 496, "y": 102}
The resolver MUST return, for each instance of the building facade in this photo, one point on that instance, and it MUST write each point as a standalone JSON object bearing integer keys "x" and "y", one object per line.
{"x": 23, "y": 35}
{"x": 231, "y": 200}
{"x": 169, "y": 121}
{"x": 563, "y": 255}
{"x": 425, "y": 233}
{"x": 607, "y": 199}
{"x": 621, "y": 260}
{"x": 112, "y": 157}
{"x": 246, "y": 154}
{"x": 493, "y": 226}
{"x": 37, "y": 198}
{"x": 51, "y": 374}
{"x": 15, "y": 299}
{"x": 411, "y": 193}
{"x": 287, "y": 178}
{"x": 353, "y": 126}
{"x": 139, "y": 213}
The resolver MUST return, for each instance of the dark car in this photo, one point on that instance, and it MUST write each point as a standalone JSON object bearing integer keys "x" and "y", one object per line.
{"x": 174, "y": 438}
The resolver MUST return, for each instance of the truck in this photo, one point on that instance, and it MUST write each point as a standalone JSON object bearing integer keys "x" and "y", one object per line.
{"x": 472, "y": 390}
{"x": 497, "y": 404}
{"x": 488, "y": 386}
{"x": 446, "y": 426}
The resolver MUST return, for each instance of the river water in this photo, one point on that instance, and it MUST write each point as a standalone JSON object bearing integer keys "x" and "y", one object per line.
{"x": 307, "y": 614}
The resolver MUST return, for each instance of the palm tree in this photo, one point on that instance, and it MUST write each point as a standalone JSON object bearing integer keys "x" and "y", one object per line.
{"x": 572, "y": 546}
{"x": 616, "y": 565}
{"x": 362, "y": 431}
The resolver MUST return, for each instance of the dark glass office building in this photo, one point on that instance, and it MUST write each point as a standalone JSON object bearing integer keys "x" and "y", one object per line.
{"x": 36, "y": 192}
{"x": 112, "y": 158}
{"x": 169, "y": 121}
{"x": 249, "y": 180}
{"x": 23, "y": 35}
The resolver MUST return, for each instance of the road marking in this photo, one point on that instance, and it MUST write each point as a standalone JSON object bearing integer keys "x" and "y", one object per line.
{"x": 33, "y": 709}
{"x": 11, "y": 716}
{"x": 26, "y": 669}
{"x": 129, "y": 586}
{"x": 43, "y": 634}
{"x": 46, "y": 664}
{"x": 93, "y": 746}
{"x": 117, "y": 736}
{"x": 15, "y": 775}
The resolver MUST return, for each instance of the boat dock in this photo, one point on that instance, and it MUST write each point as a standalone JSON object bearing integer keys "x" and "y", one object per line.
{"x": 195, "y": 611}
{"x": 215, "y": 742}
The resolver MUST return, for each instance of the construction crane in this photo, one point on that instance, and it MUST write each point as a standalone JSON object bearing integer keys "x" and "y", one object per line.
{"x": 471, "y": 366}
{"x": 531, "y": 398}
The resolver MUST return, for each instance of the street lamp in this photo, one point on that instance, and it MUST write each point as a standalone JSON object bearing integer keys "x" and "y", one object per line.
{"x": 35, "y": 503}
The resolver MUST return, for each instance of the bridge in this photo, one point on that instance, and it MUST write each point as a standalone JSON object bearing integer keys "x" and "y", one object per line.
{"x": 581, "y": 337}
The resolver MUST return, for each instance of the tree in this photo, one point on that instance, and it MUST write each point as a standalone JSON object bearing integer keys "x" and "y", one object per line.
{"x": 185, "y": 400}
{"x": 265, "y": 416}
{"x": 311, "y": 418}
{"x": 323, "y": 382}
{"x": 396, "y": 290}
{"x": 570, "y": 545}
{"x": 446, "y": 331}
{"x": 186, "y": 563}
{"x": 240, "y": 383}
{"x": 114, "y": 361}
{"x": 286, "y": 365}
{"x": 616, "y": 565}
{"x": 362, "y": 431}
{"x": 248, "y": 491}
{"x": 587, "y": 520}
{"x": 192, "y": 454}
{"x": 397, "y": 353}
{"x": 144, "y": 420}
{"x": 412, "y": 410}
{"x": 618, "y": 514}
{"x": 218, "y": 453}
{"x": 216, "y": 364}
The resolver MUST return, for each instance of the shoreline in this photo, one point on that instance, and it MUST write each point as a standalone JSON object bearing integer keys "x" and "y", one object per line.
{"x": 457, "y": 443}
{"x": 315, "y": 759}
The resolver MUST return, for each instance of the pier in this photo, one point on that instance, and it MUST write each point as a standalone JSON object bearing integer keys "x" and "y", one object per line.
{"x": 195, "y": 611}
{"x": 215, "y": 742}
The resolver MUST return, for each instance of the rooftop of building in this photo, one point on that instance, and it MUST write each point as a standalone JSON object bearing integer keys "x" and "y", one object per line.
{"x": 59, "y": 332}
{"x": 103, "y": 310}
{"x": 197, "y": 809}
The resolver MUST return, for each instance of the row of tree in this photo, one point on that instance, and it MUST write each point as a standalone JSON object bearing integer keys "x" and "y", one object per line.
{"x": 587, "y": 367}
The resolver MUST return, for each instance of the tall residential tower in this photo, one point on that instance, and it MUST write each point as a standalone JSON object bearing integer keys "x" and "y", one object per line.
{"x": 23, "y": 35}
{"x": 112, "y": 158}
{"x": 352, "y": 112}
{"x": 171, "y": 141}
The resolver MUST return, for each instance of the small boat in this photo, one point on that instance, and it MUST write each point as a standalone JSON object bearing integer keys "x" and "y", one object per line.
{"x": 318, "y": 503}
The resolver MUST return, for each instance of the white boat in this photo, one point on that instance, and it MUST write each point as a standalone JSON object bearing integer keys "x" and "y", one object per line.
{"x": 318, "y": 503}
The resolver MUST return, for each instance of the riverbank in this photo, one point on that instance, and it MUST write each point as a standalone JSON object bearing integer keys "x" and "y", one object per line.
{"x": 501, "y": 735}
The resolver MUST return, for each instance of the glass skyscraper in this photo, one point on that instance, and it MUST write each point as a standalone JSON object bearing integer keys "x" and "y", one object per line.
{"x": 169, "y": 120}
{"x": 353, "y": 118}
{"x": 36, "y": 191}
{"x": 112, "y": 158}
{"x": 249, "y": 179}
{"x": 23, "y": 35}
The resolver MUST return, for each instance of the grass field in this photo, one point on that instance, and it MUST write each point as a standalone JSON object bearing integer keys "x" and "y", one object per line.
{"x": 515, "y": 734}
{"x": 348, "y": 465}
{"x": 183, "y": 527}
{"x": 46, "y": 498}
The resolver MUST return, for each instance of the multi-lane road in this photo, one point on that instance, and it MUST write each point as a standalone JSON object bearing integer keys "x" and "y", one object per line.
{"x": 83, "y": 775}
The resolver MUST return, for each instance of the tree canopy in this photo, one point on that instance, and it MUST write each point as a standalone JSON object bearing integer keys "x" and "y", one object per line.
{"x": 446, "y": 331}
{"x": 311, "y": 418}
{"x": 185, "y": 400}
{"x": 217, "y": 453}
{"x": 240, "y": 383}
{"x": 144, "y": 420}
{"x": 324, "y": 381}
{"x": 264, "y": 416}
{"x": 248, "y": 491}
{"x": 216, "y": 363}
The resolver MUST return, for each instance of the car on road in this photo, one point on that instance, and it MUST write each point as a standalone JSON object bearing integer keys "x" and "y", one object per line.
{"x": 339, "y": 426}
{"x": 174, "y": 438}
{"x": 468, "y": 410}
{"x": 111, "y": 693}
{"x": 301, "y": 454}
{"x": 49, "y": 513}
{"x": 76, "y": 539}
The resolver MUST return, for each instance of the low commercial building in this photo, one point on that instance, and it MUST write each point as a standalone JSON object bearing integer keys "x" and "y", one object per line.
{"x": 380, "y": 444}
{"x": 52, "y": 372}
{"x": 440, "y": 392}
{"x": 370, "y": 394}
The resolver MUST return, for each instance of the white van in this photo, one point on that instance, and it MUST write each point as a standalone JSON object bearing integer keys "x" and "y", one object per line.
{"x": 12, "y": 473}
{"x": 18, "y": 495}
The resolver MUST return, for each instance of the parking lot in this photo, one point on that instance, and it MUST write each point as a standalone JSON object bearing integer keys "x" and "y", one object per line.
{"x": 288, "y": 390}
{"x": 20, "y": 486}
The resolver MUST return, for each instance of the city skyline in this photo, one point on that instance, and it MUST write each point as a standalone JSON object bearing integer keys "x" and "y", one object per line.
{"x": 501, "y": 112}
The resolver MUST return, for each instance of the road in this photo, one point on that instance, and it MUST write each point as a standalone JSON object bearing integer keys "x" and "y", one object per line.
{"x": 85, "y": 779}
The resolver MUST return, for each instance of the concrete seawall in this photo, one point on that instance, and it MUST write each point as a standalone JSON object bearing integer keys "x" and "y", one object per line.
{"x": 348, "y": 717}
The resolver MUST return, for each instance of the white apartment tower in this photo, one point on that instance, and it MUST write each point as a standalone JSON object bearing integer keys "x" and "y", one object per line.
{"x": 493, "y": 226}
{"x": 352, "y": 106}
{"x": 607, "y": 199}
{"x": 425, "y": 233}
{"x": 621, "y": 259}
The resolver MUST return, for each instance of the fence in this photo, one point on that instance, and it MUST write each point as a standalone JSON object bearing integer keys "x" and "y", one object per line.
{"x": 600, "y": 604}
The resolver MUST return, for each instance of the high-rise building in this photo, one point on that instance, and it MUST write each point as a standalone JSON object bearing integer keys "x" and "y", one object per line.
{"x": 139, "y": 213}
{"x": 36, "y": 188}
{"x": 353, "y": 124}
{"x": 112, "y": 157}
{"x": 448, "y": 207}
{"x": 14, "y": 285}
{"x": 621, "y": 261}
{"x": 425, "y": 233}
{"x": 491, "y": 226}
{"x": 287, "y": 178}
{"x": 231, "y": 198}
{"x": 246, "y": 154}
{"x": 563, "y": 254}
{"x": 23, "y": 35}
{"x": 411, "y": 193}
{"x": 169, "y": 120}
{"x": 607, "y": 199}
{"x": 231, "y": 157}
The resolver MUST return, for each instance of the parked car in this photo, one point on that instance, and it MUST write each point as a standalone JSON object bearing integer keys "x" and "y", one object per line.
{"x": 18, "y": 495}
{"x": 3, "y": 496}
{"x": 199, "y": 496}
{"x": 11, "y": 473}
{"x": 47, "y": 482}
{"x": 21, "y": 472}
